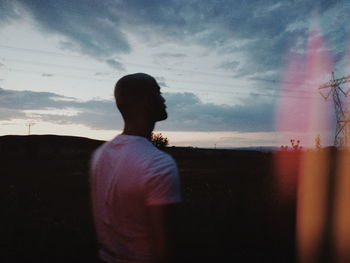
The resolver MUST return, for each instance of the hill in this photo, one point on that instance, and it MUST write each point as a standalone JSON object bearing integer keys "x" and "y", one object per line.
{"x": 46, "y": 146}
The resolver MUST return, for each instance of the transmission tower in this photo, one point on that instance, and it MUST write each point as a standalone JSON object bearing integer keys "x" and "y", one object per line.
{"x": 342, "y": 136}
{"x": 29, "y": 125}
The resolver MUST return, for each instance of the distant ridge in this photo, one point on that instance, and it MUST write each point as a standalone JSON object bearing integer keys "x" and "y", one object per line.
{"x": 73, "y": 147}
{"x": 47, "y": 138}
{"x": 256, "y": 148}
{"x": 46, "y": 146}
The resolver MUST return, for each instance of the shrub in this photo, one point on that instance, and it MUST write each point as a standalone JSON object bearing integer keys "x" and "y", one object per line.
{"x": 159, "y": 140}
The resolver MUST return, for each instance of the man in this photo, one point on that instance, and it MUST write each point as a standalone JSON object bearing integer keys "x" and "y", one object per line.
{"x": 134, "y": 186}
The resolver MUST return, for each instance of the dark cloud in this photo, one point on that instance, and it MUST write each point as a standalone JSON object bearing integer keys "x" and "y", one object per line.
{"x": 171, "y": 55}
{"x": 102, "y": 73}
{"x": 229, "y": 65}
{"x": 46, "y": 75}
{"x": 267, "y": 29}
{"x": 28, "y": 100}
{"x": 186, "y": 112}
{"x": 7, "y": 11}
{"x": 89, "y": 25}
{"x": 98, "y": 114}
{"x": 115, "y": 64}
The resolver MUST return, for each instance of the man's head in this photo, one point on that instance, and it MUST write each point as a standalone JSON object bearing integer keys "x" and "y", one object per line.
{"x": 138, "y": 95}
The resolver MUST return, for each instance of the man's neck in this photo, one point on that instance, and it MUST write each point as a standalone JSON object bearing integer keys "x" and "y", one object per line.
{"x": 139, "y": 130}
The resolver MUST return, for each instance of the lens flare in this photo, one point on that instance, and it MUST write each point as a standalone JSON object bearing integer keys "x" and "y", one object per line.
{"x": 302, "y": 111}
{"x": 303, "y": 115}
{"x": 341, "y": 223}
{"x": 341, "y": 227}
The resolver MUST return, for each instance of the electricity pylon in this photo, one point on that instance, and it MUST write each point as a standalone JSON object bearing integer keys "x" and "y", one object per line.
{"x": 342, "y": 136}
{"x": 29, "y": 125}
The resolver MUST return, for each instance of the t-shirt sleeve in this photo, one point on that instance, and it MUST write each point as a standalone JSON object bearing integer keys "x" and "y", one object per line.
{"x": 163, "y": 185}
{"x": 93, "y": 163}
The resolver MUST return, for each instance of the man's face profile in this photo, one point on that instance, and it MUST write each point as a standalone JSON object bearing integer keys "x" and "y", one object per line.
{"x": 140, "y": 94}
{"x": 160, "y": 113}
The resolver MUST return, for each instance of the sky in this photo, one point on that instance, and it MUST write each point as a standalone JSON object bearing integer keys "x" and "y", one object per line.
{"x": 233, "y": 73}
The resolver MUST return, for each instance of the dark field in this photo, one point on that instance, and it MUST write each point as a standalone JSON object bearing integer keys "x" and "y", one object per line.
{"x": 231, "y": 210}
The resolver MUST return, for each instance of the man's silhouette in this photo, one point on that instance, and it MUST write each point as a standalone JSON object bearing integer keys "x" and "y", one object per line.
{"x": 133, "y": 184}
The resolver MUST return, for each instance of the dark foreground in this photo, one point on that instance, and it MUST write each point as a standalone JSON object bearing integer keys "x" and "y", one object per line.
{"x": 231, "y": 210}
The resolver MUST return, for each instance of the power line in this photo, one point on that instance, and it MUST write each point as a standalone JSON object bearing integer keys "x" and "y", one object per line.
{"x": 230, "y": 76}
{"x": 112, "y": 79}
{"x": 107, "y": 73}
{"x": 284, "y": 90}
{"x": 178, "y": 88}
{"x": 286, "y": 82}
{"x": 52, "y": 53}
{"x": 127, "y": 63}
{"x": 45, "y": 74}
{"x": 49, "y": 64}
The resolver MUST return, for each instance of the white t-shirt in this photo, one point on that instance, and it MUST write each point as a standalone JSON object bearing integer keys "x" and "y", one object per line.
{"x": 127, "y": 175}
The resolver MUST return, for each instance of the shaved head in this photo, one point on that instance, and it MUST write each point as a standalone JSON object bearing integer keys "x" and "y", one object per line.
{"x": 132, "y": 90}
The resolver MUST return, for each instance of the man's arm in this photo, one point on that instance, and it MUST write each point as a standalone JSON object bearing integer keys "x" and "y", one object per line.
{"x": 162, "y": 220}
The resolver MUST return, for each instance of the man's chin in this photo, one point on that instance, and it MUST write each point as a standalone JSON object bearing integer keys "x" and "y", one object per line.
{"x": 162, "y": 117}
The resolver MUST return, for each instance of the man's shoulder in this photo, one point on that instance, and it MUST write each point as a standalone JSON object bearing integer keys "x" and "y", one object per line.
{"x": 100, "y": 149}
{"x": 138, "y": 150}
{"x": 160, "y": 162}
{"x": 145, "y": 149}
{"x": 156, "y": 155}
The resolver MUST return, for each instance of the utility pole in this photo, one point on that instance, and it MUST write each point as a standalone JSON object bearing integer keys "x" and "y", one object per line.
{"x": 29, "y": 125}
{"x": 342, "y": 136}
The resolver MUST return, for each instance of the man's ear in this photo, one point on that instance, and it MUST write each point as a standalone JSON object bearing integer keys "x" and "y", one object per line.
{"x": 149, "y": 100}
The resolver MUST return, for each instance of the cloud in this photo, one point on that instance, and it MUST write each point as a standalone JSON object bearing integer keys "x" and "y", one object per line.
{"x": 268, "y": 29}
{"x": 99, "y": 114}
{"x": 28, "y": 100}
{"x": 46, "y": 75}
{"x": 115, "y": 64}
{"x": 102, "y": 73}
{"x": 7, "y": 11}
{"x": 250, "y": 139}
{"x": 91, "y": 26}
{"x": 9, "y": 114}
{"x": 161, "y": 81}
{"x": 170, "y": 55}
{"x": 220, "y": 25}
{"x": 186, "y": 112}
{"x": 229, "y": 65}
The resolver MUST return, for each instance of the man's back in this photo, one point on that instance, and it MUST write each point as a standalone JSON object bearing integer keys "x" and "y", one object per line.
{"x": 128, "y": 175}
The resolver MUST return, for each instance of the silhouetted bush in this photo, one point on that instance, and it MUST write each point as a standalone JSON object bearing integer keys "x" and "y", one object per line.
{"x": 159, "y": 140}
